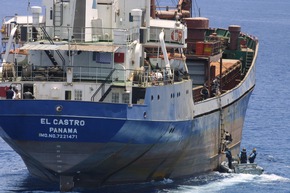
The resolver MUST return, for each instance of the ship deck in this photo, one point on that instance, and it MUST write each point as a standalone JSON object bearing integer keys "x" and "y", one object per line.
{"x": 230, "y": 70}
{"x": 227, "y": 65}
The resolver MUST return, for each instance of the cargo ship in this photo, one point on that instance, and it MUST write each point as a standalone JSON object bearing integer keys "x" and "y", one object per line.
{"x": 105, "y": 92}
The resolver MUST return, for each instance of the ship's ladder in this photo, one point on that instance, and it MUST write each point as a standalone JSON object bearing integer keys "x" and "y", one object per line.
{"x": 221, "y": 125}
{"x": 49, "y": 53}
{"x": 102, "y": 87}
{"x": 57, "y": 17}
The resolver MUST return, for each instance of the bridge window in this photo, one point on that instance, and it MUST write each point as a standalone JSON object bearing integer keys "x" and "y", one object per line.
{"x": 125, "y": 98}
{"x": 102, "y": 57}
{"x": 78, "y": 95}
{"x": 115, "y": 97}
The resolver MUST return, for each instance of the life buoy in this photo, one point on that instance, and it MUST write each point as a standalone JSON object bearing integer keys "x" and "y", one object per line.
{"x": 176, "y": 35}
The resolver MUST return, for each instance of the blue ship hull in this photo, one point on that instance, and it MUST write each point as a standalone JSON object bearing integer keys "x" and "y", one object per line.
{"x": 105, "y": 146}
{"x": 122, "y": 91}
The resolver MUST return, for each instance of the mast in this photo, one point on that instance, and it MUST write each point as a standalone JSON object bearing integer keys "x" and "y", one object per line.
{"x": 153, "y": 9}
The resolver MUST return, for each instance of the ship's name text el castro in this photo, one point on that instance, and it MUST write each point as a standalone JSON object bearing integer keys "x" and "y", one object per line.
{"x": 62, "y": 122}
{"x": 61, "y": 128}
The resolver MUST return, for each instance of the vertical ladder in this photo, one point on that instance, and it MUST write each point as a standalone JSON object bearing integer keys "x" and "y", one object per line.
{"x": 57, "y": 17}
{"x": 222, "y": 130}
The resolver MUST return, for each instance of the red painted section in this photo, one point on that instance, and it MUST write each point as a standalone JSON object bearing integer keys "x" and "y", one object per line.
{"x": 119, "y": 57}
{"x": 3, "y": 91}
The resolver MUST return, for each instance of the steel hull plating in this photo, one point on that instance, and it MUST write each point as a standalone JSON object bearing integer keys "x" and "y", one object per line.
{"x": 105, "y": 151}
{"x": 117, "y": 92}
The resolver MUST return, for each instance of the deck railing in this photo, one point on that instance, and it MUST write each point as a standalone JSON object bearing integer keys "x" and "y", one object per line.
{"x": 139, "y": 77}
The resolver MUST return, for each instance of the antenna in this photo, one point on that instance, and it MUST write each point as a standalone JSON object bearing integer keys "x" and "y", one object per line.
{"x": 196, "y": 8}
{"x": 28, "y": 9}
{"x": 28, "y": 6}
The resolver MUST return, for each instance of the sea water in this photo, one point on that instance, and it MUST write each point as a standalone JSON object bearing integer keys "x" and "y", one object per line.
{"x": 267, "y": 124}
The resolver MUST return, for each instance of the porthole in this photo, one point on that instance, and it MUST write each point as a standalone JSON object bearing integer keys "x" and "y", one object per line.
{"x": 59, "y": 108}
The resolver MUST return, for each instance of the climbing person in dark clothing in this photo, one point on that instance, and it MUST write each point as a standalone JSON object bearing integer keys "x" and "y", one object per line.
{"x": 10, "y": 93}
{"x": 253, "y": 155}
{"x": 228, "y": 137}
{"x": 204, "y": 92}
{"x": 243, "y": 156}
{"x": 229, "y": 156}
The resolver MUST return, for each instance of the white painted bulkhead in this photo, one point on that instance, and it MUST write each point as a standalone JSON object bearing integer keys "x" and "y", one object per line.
{"x": 68, "y": 9}
{"x": 56, "y": 91}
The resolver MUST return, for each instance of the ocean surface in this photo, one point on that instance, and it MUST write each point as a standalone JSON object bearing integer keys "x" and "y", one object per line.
{"x": 267, "y": 125}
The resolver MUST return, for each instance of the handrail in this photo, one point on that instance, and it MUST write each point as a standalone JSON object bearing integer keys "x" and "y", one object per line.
{"x": 52, "y": 42}
{"x": 101, "y": 86}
